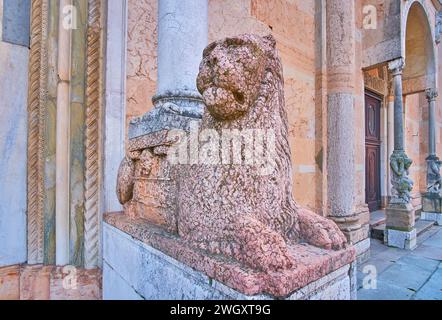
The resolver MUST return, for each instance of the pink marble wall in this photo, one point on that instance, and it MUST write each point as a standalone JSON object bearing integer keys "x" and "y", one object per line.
{"x": 141, "y": 55}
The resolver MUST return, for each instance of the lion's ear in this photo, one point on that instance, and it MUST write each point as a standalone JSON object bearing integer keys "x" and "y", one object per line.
{"x": 270, "y": 40}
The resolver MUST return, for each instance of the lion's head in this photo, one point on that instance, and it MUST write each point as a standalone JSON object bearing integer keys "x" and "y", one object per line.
{"x": 232, "y": 71}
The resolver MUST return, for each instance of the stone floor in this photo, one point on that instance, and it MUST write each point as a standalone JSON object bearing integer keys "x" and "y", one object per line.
{"x": 404, "y": 275}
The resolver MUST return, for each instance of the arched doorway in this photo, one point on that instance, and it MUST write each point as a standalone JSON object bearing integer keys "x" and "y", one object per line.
{"x": 419, "y": 75}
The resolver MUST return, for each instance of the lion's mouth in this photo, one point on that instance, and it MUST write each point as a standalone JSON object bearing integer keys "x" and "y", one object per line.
{"x": 218, "y": 96}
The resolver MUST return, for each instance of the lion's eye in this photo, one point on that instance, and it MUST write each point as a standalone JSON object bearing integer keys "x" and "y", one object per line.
{"x": 209, "y": 49}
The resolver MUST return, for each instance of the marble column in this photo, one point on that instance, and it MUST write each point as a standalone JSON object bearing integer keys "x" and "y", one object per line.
{"x": 390, "y": 138}
{"x": 62, "y": 142}
{"x": 431, "y": 96}
{"x": 182, "y": 37}
{"x": 341, "y": 168}
{"x": 400, "y": 216}
{"x": 432, "y": 199}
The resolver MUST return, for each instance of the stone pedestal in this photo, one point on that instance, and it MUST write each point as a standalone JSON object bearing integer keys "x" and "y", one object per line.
{"x": 134, "y": 270}
{"x": 432, "y": 207}
{"x": 400, "y": 231}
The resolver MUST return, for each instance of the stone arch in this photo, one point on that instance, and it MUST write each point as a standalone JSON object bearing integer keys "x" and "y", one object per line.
{"x": 418, "y": 48}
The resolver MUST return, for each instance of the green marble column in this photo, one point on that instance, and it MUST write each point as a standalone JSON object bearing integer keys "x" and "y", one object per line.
{"x": 77, "y": 133}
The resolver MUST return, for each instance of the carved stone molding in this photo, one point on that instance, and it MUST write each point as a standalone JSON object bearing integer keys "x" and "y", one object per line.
{"x": 92, "y": 134}
{"x": 375, "y": 84}
{"x": 37, "y": 96}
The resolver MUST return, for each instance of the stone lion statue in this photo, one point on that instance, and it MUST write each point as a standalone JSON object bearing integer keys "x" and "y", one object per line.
{"x": 233, "y": 210}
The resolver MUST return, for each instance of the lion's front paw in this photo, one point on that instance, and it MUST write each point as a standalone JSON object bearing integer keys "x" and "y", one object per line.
{"x": 262, "y": 248}
{"x": 319, "y": 231}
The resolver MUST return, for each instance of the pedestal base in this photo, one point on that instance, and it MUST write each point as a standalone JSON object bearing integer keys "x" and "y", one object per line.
{"x": 135, "y": 270}
{"x": 432, "y": 216}
{"x": 432, "y": 202}
{"x": 400, "y": 239}
{"x": 400, "y": 216}
{"x": 432, "y": 207}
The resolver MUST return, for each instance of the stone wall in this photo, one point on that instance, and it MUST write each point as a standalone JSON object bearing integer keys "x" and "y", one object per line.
{"x": 13, "y": 131}
{"x": 141, "y": 55}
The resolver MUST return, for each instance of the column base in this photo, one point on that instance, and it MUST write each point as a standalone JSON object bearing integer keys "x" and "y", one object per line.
{"x": 356, "y": 229}
{"x": 173, "y": 110}
{"x": 400, "y": 239}
{"x": 134, "y": 270}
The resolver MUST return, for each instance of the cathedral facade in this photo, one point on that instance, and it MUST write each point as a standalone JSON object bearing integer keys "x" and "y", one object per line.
{"x": 361, "y": 81}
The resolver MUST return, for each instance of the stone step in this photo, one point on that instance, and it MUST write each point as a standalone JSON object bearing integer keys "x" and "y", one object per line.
{"x": 377, "y": 232}
{"x": 377, "y": 218}
{"x": 423, "y": 226}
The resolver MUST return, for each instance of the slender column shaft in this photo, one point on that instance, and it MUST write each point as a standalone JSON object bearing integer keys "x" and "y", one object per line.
{"x": 182, "y": 37}
{"x": 390, "y": 142}
{"x": 431, "y": 96}
{"x": 396, "y": 67}
{"x": 62, "y": 157}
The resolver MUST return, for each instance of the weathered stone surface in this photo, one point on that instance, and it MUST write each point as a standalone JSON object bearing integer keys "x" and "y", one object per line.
{"x": 400, "y": 239}
{"x": 39, "y": 282}
{"x": 358, "y": 235}
{"x": 35, "y": 283}
{"x": 176, "y": 112}
{"x": 10, "y": 283}
{"x": 16, "y": 22}
{"x": 243, "y": 212}
{"x": 312, "y": 263}
{"x": 134, "y": 270}
{"x": 381, "y": 31}
{"x": 13, "y": 139}
{"x": 400, "y": 217}
{"x": 142, "y": 57}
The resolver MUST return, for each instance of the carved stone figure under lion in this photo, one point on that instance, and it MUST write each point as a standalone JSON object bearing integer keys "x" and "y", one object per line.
{"x": 233, "y": 222}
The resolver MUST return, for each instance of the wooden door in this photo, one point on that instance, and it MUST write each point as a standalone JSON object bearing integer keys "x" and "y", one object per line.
{"x": 372, "y": 151}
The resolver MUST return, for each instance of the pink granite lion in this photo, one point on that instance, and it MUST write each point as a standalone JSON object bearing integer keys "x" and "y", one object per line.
{"x": 234, "y": 210}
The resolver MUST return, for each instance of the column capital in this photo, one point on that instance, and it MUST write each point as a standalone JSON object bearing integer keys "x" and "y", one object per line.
{"x": 431, "y": 94}
{"x": 396, "y": 66}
